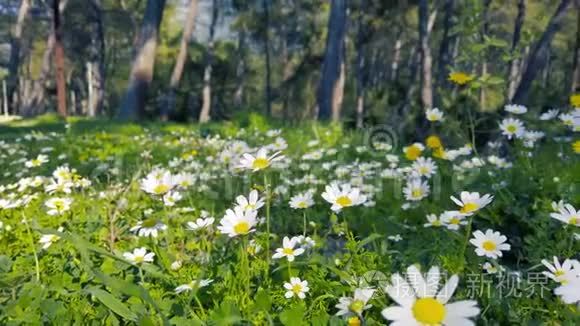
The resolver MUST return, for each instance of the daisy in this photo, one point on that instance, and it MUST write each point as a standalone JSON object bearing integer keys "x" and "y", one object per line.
{"x": 48, "y": 239}
{"x": 38, "y": 161}
{"x": 433, "y": 220}
{"x": 453, "y": 220}
{"x": 424, "y": 167}
{"x": 434, "y": 115}
{"x": 253, "y": 202}
{"x": 260, "y": 161}
{"x": 516, "y": 108}
{"x": 158, "y": 182}
{"x": 512, "y": 128}
{"x": 238, "y": 222}
{"x": 342, "y": 196}
{"x": 567, "y": 214}
{"x": 549, "y": 115}
{"x": 195, "y": 284}
{"x": 148, "y": 227}
{"x": 561, "y": 273}
{"x": 567, "y": 119}
{"x": 355, "y": 304}
{"x": 415, "y": 189}
{"x": 421, "y": 304}
{"x": 296, "y": 288}
{"x": 139, "y": 255}
{"x": 288, "y": 250}
{"x": 302, "y": 200}
{"x": 491, "y": 244}
{"x": 492, "y": 268}
{"x": 569, "y": 292}
{"x": 58, "y": 205}
{"x": 413, "y": 151}
{"x": 200, "y": 223}
{"x": 171, "y": 198}
{"x": 471, "y": 202}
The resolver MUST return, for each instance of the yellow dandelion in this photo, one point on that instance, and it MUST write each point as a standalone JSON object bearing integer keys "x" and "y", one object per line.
{"x": 460, "y": 78}
{"x": 575, "y": 100}
{"x": 433, "y": 142}
{"x": 576, "y": 146}
{"x": 439, "y": 153}
{"x": 414, "y": 151}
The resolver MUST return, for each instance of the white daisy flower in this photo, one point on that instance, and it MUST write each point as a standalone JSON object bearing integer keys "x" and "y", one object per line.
{"x": 288, "y": 249}
{"x": 253, "y": 202}
{"x": 492, "y": 268}
{"x": 158, "y": 182}
{"x": 48, "y": 239}
{"x": 355, "y": 304}
{"x": 433, "y": 220}
{"x": 471, "y": 202}
{"x": 139, "y": 255}
{"x": 148, "y": 227}
{"x": 238, "y": 222}
{"x": 200, "y": 223}
{"x": 195, "y": 284}
{"x": 434, "y": 115}
{"x": 561, "y": 273}
{"x": 171, "y": 198}
{"x": 302, "y": 200}
{"x": 424, "y": 167}
{"x": 549, "y": 115}
{"x": 38, "y": 161}
{"x": 453, "y": 220}
{"x": 568, "y": 215}
{"x": 420, "y": 302}
{"x": 415, "y": 189}
{"x": 569, "y": 292}
{"x": 512, "y": 128}
{"x": 58, "y": 205}
{"x": 260, "y": 161}
{"x": 296, "y": 288}
{"x": 516, "y": 108}
{"x": 343, "y": 196}
{"x": 491, "y": 244}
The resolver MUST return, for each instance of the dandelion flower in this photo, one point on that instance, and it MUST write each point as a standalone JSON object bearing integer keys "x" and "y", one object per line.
{"x": 413, "y": 151}
{"x": 489, "y": 244}
{"x": 575, "y": 100}
{"x": 433, "y": 142}
{"x": 296, "y": 288}
{"x": 460, "y": 78}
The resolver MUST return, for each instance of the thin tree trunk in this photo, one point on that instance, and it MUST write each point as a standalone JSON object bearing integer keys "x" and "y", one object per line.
{"x": 332, "y": 77}
{"x": 267, "y": 53}
{"x": 575, "y": 87}
{"x": 181, "y": 58}
{"x": 204, "y": 115}
{"x": 96, "y": 65}
{"x": 537, "y": 57}
{"x": 133, "y": 104}
{"x": 445, "y": 47}
{"x": 59, "y": 61}
{"x": 396, "y": 58}
{"x": 360, "y": 66}
{"x": 515, "y": 61}
{"x": 426, "y": 59}
{"x": 15, "y": 46}
{"x": 484, "y": 32}
{"x": 240, "y": 69}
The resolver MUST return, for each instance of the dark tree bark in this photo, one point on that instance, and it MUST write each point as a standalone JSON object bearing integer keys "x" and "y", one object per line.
{"x": 98, "y": 69}
{"x": 426, "y": 59}
{"x": 360, "y": 67}
{"x": 133, "y": 104}
{"x": 15, "y": 47}
{"x": 514, "y": 64}
{"x": 537, "y": 58}
{"x": 204, "y": 115}
{"x": 329, "y": 93}
{"x": 181, "y": 59}
{"x": 268, "y": 94}
{"x": 575, "y": 87}
{"x": 445, "y": 48}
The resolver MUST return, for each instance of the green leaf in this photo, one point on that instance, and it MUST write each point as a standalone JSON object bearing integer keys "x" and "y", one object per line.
{"x": 369, "y": 239}
{"x": 262, "y": 300}
{"x": 113, "y": 303}
{"x": 293, "y": 316}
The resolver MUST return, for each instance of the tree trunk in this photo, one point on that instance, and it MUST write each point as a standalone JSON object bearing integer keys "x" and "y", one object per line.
{"x": 96, "y": 64}
{"x": 332, "y": 76}
{"x": 133, "y": 103}
{"x": 514, "y": 64}
{"x": 15, "y": 46}
{"x": 267, "y": 53}
{"x": 537, "y": 57}
{"x": 484, "y": 31}
{"x": 240, "y": 69}
{"x": 204, "y": 115}
{"x": 445, "y": 47}
{"x": 360, "y": 66}
{"x": 426, "y": 59}
{"x": 59, "y": 61}
{"x": 575, "y": 88}
{"x": 181, "y": 58}
{"x": 396, "y": 59}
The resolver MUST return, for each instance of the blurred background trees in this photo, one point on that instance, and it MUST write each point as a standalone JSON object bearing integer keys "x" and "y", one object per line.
{"x": 358, "y": 61}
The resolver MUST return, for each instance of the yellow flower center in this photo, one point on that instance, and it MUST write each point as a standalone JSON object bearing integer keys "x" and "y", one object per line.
{"x": 356, "y": 306}
{"x": 469, "y": 208}
{"x": 139, "y": 259}
{"x": 454, "y": 220}
{"x": 428, "y": 311}
{"x": 297, "y": 288}
{"x": 301, "y": 204}
{"x": 416, "y": 193}
{"x": 288, "y": 251}
{"x": 412, "y": 152}
{"x": 59, "y": 205}
{"x": 36, "y": 162}
{"x": 161, "y": 189}
{"x": 436, "y": 223}
{"x": 343, "y": 201}
{"x": 242, "y": 228}
{"x": 260, "y": 163}
{"x": 489, "y": 245}
{"x": 149, "y": 223}
{"x": 573, "y": 220}
{"x": 511, "y": 128}
{"x": 423, "y": 170}
{"x": 353, "y": 321}
{"x": 559, "y": 273}
{"x": 433, "y": 116}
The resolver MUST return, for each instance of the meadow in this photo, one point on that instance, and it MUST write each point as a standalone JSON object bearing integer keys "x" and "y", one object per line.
{"x": 248, "y": 222}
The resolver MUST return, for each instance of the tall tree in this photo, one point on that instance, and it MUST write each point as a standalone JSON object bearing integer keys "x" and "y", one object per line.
{"x": 330, "y": 87}
{"x": 96, "y": 65}
{"x": 426, "y": 59}
{"x": 483, "y": 35}
{"x": 445, "y": 48}
{"x": 181, "y": 58}
{"x": 514, "y": 64}
{"x": 360, "y": 65}
{"x": 537, "y": 58}
{"x": 266, "y": 5}
{"x": 15, "y": 47}
{"x": 575, "y": 87}
{"x": 133, "y": 104}
{"x": 59, "y": 60}
{"x": 204, "y": 115}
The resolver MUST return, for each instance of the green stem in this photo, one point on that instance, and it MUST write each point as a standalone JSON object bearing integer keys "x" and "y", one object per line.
{"x": 267, "y": 191}
{"x": 36, "y": 263}
{"x": 141, "y": 277}
{"x": 304, "y": 222}
{"x": 466, "y": 241}
{"x": 199, "y": 305}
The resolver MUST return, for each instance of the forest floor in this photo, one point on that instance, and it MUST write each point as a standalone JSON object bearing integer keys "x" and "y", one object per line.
{"x": 251, "y": 222}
